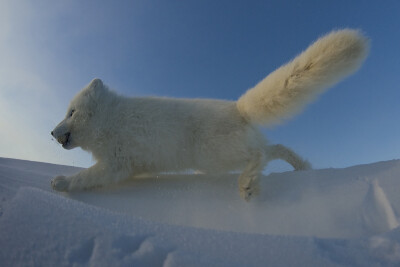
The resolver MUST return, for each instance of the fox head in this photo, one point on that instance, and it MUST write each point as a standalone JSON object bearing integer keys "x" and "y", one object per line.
{"x": 79, "y": 128}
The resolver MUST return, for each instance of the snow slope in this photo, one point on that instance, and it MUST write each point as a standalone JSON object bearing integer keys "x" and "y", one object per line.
{"x": 331, "y": 217}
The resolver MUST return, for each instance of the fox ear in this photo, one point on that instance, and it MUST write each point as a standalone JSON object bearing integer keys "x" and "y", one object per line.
{"x": 94, "y": 89}
{"x": 96, "y": 84}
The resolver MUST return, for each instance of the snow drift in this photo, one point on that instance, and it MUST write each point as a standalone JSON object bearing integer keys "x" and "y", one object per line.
{"x": 331, "y": 217}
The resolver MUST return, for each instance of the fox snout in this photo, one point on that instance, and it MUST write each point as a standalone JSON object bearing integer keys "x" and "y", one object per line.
{"x": 62, "y": 139}
{"x": 62, "y": 134}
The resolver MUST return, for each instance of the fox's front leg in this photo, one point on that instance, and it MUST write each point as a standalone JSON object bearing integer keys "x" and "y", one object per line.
{"x": 95, "y": 176}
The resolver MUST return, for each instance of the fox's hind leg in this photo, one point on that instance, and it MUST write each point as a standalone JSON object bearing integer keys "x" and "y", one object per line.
{"x": 281, "y": 152}
{"x": 249, "y": 178}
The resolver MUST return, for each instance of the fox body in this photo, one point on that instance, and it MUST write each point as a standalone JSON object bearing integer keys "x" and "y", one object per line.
{"x": 130, "y": 136}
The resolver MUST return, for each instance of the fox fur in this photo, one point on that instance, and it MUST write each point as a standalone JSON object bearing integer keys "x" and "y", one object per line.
{"x": 129, "y": 136}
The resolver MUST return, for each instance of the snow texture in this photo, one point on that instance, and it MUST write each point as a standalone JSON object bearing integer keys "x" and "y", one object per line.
{"x": 331, "y": 217}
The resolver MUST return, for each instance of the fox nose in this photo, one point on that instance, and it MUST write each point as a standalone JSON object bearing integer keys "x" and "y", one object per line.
{"x": 51, "y": 133}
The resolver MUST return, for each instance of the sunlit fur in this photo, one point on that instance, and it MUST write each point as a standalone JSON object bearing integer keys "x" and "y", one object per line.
{"x": 288, "y": 89}
{"x": 132, "y": 136}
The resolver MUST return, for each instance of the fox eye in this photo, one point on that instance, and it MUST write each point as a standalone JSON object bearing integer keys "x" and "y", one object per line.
{"x": 72, "y": 112}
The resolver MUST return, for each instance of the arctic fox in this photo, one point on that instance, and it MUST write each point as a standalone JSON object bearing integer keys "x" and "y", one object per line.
{"x": 132, "y": 136}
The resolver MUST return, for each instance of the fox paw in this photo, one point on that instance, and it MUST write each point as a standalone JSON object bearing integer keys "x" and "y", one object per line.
{"x": 60, "y": 183}
{"x": 248, "y": 192}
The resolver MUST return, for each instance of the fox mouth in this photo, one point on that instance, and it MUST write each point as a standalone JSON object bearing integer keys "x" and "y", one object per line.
{"x": 64, "y": 140}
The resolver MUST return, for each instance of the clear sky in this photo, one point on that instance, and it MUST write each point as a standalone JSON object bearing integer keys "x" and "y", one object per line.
{"x": 50, "y": 49}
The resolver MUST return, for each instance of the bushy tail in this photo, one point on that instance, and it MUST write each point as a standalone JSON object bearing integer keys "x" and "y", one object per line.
{"x": 289, "y": 88}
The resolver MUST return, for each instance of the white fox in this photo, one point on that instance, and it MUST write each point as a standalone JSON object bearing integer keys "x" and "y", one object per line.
{"x": 132, "y": 136}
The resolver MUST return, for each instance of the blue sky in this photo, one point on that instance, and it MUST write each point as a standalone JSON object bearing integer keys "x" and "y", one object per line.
{"x": 213, "y": 49}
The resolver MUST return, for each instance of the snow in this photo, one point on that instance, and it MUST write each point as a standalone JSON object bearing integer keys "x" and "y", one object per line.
{"x": 330, "y": 217}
